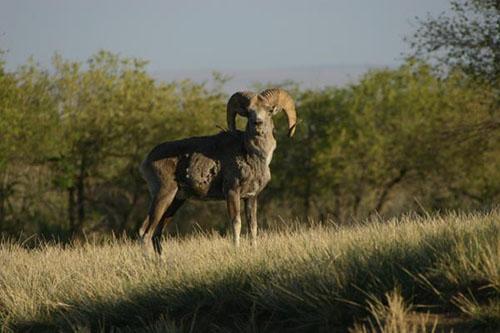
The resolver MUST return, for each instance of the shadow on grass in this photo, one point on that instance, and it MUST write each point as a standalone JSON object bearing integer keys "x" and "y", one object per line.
{"x": 310, "y": 295}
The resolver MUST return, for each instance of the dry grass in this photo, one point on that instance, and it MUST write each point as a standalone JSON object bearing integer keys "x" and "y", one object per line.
{"x": 405, "y": 275}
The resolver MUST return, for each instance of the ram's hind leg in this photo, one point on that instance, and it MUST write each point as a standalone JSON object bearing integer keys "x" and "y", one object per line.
{"x": 151, "y": 233}
{"x": 154, "y": 183}
{"x": 165, "y": 220}
{"x": 144, "y": 226}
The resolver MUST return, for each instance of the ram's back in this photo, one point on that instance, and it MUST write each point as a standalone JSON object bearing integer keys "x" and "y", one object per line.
{"x": 197, "y": 163}
{"x": 214, "y": 146}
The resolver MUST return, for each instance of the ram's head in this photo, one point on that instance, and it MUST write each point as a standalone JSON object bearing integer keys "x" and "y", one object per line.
{"x": 259, "y": 108}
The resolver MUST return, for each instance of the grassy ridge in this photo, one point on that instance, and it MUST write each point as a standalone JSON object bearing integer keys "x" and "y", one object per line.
{"x": 408, "y": 274}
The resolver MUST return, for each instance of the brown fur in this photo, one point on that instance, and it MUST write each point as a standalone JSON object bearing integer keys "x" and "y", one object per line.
{"x": 227, "y": 166}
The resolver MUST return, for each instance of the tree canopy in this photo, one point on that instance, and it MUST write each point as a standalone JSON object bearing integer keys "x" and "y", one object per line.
{"x": 468, "y": 38}
{"x": 72, "y": 138}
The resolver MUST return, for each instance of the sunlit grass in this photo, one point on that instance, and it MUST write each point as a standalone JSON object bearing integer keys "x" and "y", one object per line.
{"x": 369, "y": 277}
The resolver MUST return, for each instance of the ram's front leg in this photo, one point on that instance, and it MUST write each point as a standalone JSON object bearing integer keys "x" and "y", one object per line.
{"x": 251, "y": 217}
{"x": 233, "y": 208}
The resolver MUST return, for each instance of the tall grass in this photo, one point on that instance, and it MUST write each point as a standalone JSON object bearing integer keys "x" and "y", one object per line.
{"x": 409, "y": 274}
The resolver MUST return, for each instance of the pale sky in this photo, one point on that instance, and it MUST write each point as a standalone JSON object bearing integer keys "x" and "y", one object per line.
{"x": 213, "y": 34}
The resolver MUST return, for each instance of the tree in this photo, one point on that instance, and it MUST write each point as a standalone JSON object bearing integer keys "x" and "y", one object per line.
{"x": 28, "y": 119}
{"x": 374, "y": 146}
{"x": 469, "y": 39}
{"x": 111, "y": 113}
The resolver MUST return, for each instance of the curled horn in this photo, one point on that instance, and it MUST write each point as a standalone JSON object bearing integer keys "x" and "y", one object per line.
{"x": 280, "y": 99}
{"x": 238, "y": 104}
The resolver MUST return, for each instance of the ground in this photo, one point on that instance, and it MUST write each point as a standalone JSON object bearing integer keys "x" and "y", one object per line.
{"x": 412, "y": 274}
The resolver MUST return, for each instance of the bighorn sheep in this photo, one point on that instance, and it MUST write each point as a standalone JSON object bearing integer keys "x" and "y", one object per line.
{"x": 230, "y": 165}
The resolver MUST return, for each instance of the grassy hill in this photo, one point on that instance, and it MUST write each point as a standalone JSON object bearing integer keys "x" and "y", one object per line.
{"x": 411, "y": 274}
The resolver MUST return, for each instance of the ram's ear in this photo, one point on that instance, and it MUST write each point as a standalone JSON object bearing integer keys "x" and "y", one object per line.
{"x": 238, "y": 104}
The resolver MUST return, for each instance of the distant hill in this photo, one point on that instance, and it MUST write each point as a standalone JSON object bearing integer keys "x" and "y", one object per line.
{"x": 307, "y": 76}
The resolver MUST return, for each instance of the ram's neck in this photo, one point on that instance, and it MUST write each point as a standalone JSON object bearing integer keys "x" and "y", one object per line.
{"x": 261, "y": 146}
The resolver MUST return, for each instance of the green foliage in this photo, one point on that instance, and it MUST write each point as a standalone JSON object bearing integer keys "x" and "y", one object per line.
{"x": 72, "y": 139}
{"x": 86, "y": 127}
{"x": 404, "y": 131}
{"x": 468, "y": 38}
